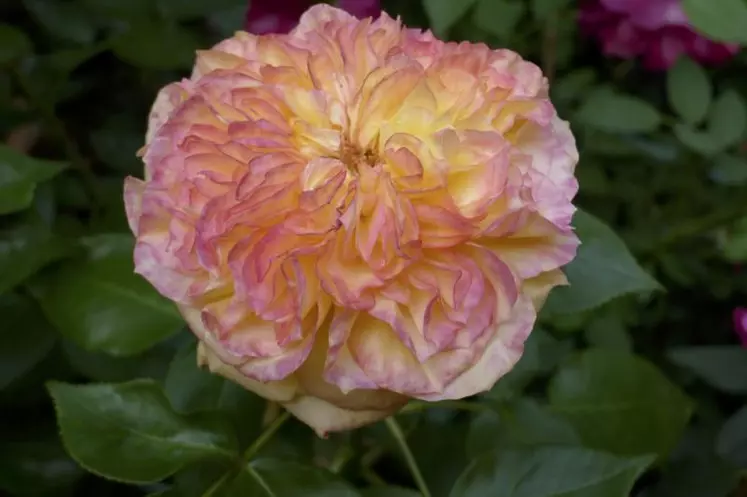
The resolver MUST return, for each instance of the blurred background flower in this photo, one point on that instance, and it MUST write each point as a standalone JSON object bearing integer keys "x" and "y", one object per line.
{"x": 740, "y": 323}
{"x": 656, "y": 30}
{"x": 280, "y": 16}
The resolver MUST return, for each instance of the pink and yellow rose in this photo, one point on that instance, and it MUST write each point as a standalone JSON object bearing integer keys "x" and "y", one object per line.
{"x": 356, "y": 214}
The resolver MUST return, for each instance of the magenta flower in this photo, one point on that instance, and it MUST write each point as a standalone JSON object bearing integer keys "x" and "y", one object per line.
{"x": 280, "y": 16}
{"x": 740, "y": 324}
{"x": 656, "y": 30}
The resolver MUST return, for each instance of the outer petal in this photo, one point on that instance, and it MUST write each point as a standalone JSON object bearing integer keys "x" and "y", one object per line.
{"x": 500, "y": 356}
{"x": 325, "y": 417}
{"x": 166, "y": 101}
{"x": 279, "y": 391}
{"x": 539, "y": 287}
{"x": 318, "y": 17}
{"x": 133, "y": 200}
{"x": 306, "y": 394}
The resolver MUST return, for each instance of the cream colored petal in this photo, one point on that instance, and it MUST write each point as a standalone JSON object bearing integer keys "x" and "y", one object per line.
{"x": 324, "y": 417}
{"x": 539, "y": 287}
{"x": 278, "y": 391}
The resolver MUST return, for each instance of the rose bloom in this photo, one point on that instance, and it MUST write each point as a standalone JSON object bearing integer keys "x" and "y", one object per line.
{"x": 739, "y": 317}
{"x": 280, "y": 16}
{"x": 356, "y": 214}
{"x": 656, "y": 30}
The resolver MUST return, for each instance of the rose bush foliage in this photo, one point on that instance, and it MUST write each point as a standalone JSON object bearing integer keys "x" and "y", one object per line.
{"x": 632, "y": 380}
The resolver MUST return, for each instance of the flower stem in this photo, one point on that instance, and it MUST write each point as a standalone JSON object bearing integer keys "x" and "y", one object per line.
{"x": 250, "y": 452}
{"x": 218, "y": 483}
{"x": 265, "y": 436}
{"x": 342, "y": 457}
{"x": 399, "y": 437}
{"x": 371, "y": 477}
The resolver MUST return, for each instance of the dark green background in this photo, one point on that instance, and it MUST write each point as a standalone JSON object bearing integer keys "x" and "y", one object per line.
{"x": 633, "y": 382}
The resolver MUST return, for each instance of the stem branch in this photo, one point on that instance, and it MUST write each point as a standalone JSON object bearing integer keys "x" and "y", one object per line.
{"x": 399, "y": 437}
{"x": 265, "y": 436}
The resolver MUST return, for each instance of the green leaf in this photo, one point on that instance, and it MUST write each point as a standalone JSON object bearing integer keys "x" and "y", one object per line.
{"x": 721, "y": 366}
{"x": 607, "y": 330}
{"x": 21, "y": 351}
{"x": 101, "y": 367}
{"x": 36, "y": 464}
{"x": 276, "y": 478}
{"x": 128, "y": 431}
{"x": 709, "y": 478}
{"x": 185, "y": 10}
{"x": 102, "y": 305}
{"x": 604, "y": 393}
{"x": 388, "y": 491}
{"x": 226, "y": 22}
{"x": 550, "y": 472}
{"x": 116, "y": 143}
{"x": 171, "y": 492}
{"x": 19, "y": 175}
{"x": 573, "y": 85}
{"x": 603, "y": 270}
{"x": 153, "y": 45}
{"x": 195, "y": 479}
{"x": 733, "y": 241}
{"x": 443, "y": 14}
{"x": 113, "y": 218}
{"x": 191, "y": 389}
{"x": 67, "y": 20}
{"x": 498, "y": 17}
{"x": 436, "y": 433}
{"x": 721, "y": 20}
{"x": 116, "y": 10}
{"x": 610, "y": 111}
{"x": 729, "y": 170}
{"x": 703, "y": 142}
{"x": 731, "y": 443}
{"x": 14, "y": 44}
{"x": 727, "y": 119}
{"x": 689, "y": 90}
{"x": 48, "y": 76}
{"x": 523, "y": 423}
{"x": 695, "y": 470}
{"x": 25, "y": 249}
{"x": 542, "y": 353}
{"x": 543, "y": 9}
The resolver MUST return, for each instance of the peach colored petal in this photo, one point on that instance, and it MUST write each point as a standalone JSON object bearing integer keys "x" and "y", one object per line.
{"x": 501, "y": 354}
{"x": 167, "y": 100}
{"x": 539, "y": 287}
{"x": 133, "y": 200}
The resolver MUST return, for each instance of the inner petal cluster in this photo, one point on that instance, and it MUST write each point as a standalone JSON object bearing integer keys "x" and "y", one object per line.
{"x": 359, "y": 197}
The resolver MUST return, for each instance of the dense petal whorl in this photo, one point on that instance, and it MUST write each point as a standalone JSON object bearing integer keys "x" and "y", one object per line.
{"x": 355, "y": 214}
